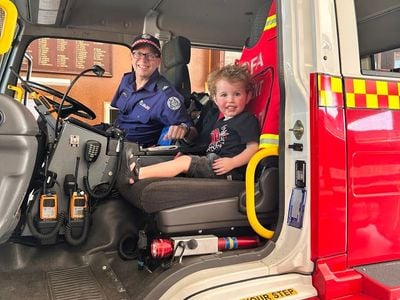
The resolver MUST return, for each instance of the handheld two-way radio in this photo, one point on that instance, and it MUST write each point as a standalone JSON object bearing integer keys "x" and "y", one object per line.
{"x": 48, "y": 206}
{"x": 78, "y": 199}
{"x": 77, "y": 226}
{"x": 50, "y": 220}
{"x": 48, "y": 201}
{"x": 78, "y": 205}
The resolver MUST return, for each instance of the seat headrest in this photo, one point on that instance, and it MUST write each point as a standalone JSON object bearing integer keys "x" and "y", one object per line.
{"x": 258, "y": 25}
{"x": 176, "y": 52}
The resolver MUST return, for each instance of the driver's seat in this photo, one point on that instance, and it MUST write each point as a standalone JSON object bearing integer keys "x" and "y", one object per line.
{"x": 182, "y": 204}
{"x": 19, "y": 145}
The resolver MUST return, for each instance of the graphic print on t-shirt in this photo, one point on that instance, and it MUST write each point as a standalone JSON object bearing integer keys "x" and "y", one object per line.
{"x": 218, "y": 138}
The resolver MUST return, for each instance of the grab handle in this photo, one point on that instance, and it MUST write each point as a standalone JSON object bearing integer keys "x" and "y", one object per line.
{"x": 10, "y": 13}
{"x": 250, "y": 199}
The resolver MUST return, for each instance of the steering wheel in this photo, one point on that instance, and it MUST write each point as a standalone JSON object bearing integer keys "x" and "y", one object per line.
{"x": 73, "y": 106}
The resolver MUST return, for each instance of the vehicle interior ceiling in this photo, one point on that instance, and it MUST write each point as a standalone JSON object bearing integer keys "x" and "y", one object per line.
{"x": 207, "y": 27}
{"x": 167, "y": 17}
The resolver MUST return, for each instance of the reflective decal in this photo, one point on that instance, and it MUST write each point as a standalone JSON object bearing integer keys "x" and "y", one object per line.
{"x": 270, "y": 23}
{"x": 273, "y": 295}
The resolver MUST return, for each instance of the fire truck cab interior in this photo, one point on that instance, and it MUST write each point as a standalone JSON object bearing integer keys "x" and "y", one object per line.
{"x": 61, "y": 224}
{"x": 177, "y": 206}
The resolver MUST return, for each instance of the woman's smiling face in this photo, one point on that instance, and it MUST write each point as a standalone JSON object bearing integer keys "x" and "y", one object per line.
{"x": 143, "y": 65}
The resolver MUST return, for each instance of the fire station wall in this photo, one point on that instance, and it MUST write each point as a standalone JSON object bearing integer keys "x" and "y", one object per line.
{"x": 94, "y": 92}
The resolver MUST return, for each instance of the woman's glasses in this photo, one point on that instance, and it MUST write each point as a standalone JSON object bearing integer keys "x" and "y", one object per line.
{"x": 149, "y": 56}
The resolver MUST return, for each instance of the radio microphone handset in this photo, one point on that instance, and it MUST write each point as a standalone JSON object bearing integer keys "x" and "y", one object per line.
{"x": 92, "y": 151}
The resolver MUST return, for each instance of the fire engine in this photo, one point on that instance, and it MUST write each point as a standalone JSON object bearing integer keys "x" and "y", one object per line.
{"x": 318, "y": 214}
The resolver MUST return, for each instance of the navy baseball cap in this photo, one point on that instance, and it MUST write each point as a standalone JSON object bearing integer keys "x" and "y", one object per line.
{"x": 147, "y": 39}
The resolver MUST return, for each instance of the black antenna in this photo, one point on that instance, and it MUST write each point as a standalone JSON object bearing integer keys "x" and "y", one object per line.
{"x": 96, "y": 69}
{"x": 76, "y": 172}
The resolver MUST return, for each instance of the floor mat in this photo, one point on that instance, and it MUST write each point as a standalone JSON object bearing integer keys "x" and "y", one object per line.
{"x": 75, "y": 283}
{"x": 94, "y": 278}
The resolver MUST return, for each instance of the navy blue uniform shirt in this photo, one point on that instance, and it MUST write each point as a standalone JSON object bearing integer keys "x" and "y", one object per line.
{"x": 144, "y": 113}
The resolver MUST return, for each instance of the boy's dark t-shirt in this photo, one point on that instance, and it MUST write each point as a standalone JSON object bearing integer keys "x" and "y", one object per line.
{"x": 229, "y": 137}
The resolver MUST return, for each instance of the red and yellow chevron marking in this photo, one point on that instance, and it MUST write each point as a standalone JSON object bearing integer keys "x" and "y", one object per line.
{"x": 330, "y": 90}
{"x": 373, "y": 94}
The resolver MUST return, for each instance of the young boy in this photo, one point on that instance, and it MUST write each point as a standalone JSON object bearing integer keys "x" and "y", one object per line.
{"x": 234, "y": 139}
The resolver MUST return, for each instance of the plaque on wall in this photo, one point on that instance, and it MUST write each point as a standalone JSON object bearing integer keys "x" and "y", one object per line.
{"x": 64, "y": 56}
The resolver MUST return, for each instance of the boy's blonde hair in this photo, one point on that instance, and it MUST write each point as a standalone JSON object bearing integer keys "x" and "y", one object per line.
{"x": 231, "y": 73}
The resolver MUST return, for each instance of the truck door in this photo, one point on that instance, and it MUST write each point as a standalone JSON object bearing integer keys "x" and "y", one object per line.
{"x": 370, "y": 61}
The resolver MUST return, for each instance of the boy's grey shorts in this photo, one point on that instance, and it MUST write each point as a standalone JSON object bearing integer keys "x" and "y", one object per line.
{"x": 201, "y": 166}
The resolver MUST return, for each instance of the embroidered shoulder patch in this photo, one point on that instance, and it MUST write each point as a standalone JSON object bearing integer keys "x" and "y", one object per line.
{"x": 173, "y": 103}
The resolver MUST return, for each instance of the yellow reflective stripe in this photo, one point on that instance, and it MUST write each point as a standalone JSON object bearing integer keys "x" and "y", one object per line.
{"x": 330, "y": 91}
{"x": 270, "y": 23}
{"x": 325, "y": 98}
{"x": 394, "y": 102}
{"x": 319, "y": 81}
{"x": 336, "y": 85}
{"x": 359, "y": 86}
{"x": 382, "y": 88}
{"x": 372, "y": 101}
{"x": 268, "y": 139}
{"x": 350, "y": 100}
{"x": 372, "y": 94}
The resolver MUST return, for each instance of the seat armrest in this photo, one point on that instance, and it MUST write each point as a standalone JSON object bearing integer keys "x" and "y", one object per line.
{"x": 160, "y": 150}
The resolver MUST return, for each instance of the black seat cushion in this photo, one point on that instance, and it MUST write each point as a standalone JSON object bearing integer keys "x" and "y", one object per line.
{"x": 157, "y": 194}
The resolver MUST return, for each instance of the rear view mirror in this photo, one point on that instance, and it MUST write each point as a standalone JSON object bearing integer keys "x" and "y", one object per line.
{"x": 8, "y": 22}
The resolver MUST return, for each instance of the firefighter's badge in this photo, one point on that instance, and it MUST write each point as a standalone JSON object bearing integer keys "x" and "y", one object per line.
{"x": 173, "y": 103}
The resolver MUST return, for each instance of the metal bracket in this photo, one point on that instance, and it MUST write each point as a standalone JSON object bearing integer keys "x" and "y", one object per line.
{"x": 298, "y": 129}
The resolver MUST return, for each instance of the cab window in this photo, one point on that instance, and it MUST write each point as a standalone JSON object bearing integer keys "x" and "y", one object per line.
{"x": 378, "y": 40}
{"x": 56, "y": 62}
{"x": 387, "y": 61}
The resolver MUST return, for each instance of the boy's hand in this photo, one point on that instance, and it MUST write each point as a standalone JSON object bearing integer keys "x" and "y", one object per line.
{"x": 223, "y": 165}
